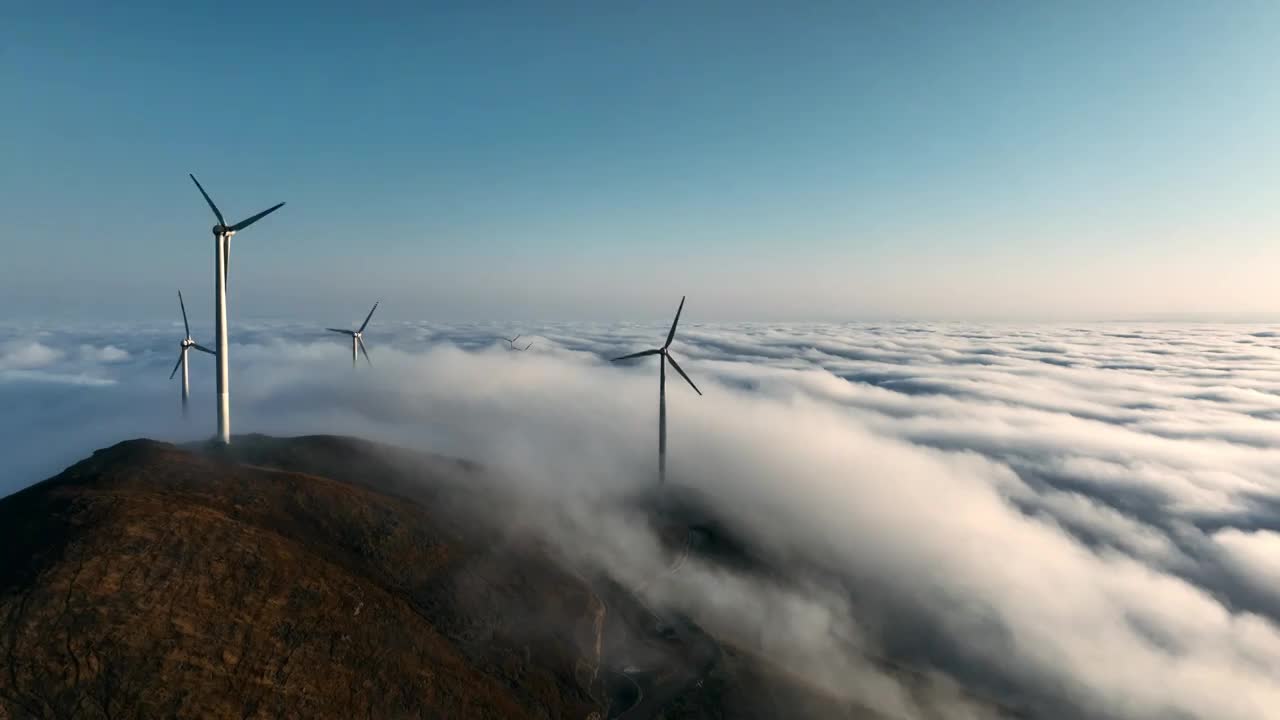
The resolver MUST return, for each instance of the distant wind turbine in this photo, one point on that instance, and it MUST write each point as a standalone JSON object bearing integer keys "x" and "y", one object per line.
{"x": 187, "y": 344}
{"x": 357, "y": 338}
{"x": 512, "y": 343}
{"x": 665, "y": 358}
{"x": 222, "y": 233}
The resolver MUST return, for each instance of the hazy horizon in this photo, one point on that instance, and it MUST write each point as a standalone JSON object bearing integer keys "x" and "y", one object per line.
{"x": 329, "y": 313}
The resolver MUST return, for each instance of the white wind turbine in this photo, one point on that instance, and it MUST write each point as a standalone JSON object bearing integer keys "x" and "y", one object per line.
{"x": 357, "y": 337}
{"x": 187, "y": 344}
{"x": 222, "y": 251}
{"x": 664, "y": 358}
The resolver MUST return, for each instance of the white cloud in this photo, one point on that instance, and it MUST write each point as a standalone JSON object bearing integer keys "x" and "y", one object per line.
{"x": 1254, "y": 556}
{"x": 1081, "y": 519}
{"x": 19, "y": 354}
{"x": 104, "y": 354}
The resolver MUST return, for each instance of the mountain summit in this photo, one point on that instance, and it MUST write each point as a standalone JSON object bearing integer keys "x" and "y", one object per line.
{"x": 328, "y": 577}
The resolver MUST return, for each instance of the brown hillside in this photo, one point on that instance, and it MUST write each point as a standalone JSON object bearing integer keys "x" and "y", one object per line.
{"x": 151, "y": 581}
{"x": 325, "y": 577}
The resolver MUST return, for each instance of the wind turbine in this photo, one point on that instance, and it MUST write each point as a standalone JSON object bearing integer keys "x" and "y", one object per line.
{"x": 222, "y": 251}
{"x": 665, "y": 358}
{"x": 187, "y": 344}
{"x": 512, "y": 343}
{"x": 357, "y": 337}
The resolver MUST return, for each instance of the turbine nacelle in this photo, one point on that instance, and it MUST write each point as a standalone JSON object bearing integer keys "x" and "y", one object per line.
{"x": 222, "y": 229}
{"x": 664, "y": 351}
{"x": 186, "y": 344}
{"x": 357, "y": 337}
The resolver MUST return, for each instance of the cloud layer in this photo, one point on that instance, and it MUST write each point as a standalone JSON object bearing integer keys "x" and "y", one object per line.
{"x": 1084, "y": 521}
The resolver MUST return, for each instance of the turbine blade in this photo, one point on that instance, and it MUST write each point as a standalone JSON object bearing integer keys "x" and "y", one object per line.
{"x": 247, "y": 222}
{"x": 512, "y": 340}
{"x": 226, "y": 260}
{"x": 344, "y": 332}
{"x": 671, "y": 335}
{"x": 183, "y": 305}
{"x": 526, "y": 347}
{"x": 202, "y": 348}
{"x": 212, "y": 207}
{"x": 360, "y": 342}
{"x": 366, "y": 317}
{"x": 176, "y": 366}
{"x": 676, "y": 365}
{"x": 636, "y": 355}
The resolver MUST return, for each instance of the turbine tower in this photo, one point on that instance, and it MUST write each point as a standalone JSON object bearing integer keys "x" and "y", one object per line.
{"x": 222, "y": 253}
{"x": 187, "y": 344}
{"x": 357, "y": 338}
{"x": 665, "y": 358}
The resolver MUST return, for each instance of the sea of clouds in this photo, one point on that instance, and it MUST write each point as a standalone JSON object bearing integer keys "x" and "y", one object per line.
{"x": 1081, "y": 520}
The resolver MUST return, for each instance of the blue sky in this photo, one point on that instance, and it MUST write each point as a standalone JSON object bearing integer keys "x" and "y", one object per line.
{"x": 596, "y": 160}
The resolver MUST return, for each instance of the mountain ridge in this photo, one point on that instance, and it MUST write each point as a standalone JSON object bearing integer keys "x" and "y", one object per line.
{"x": 323, "y": 576}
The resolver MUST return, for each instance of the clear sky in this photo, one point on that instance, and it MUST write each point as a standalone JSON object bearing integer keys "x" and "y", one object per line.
{"x": 595, "y": 160}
